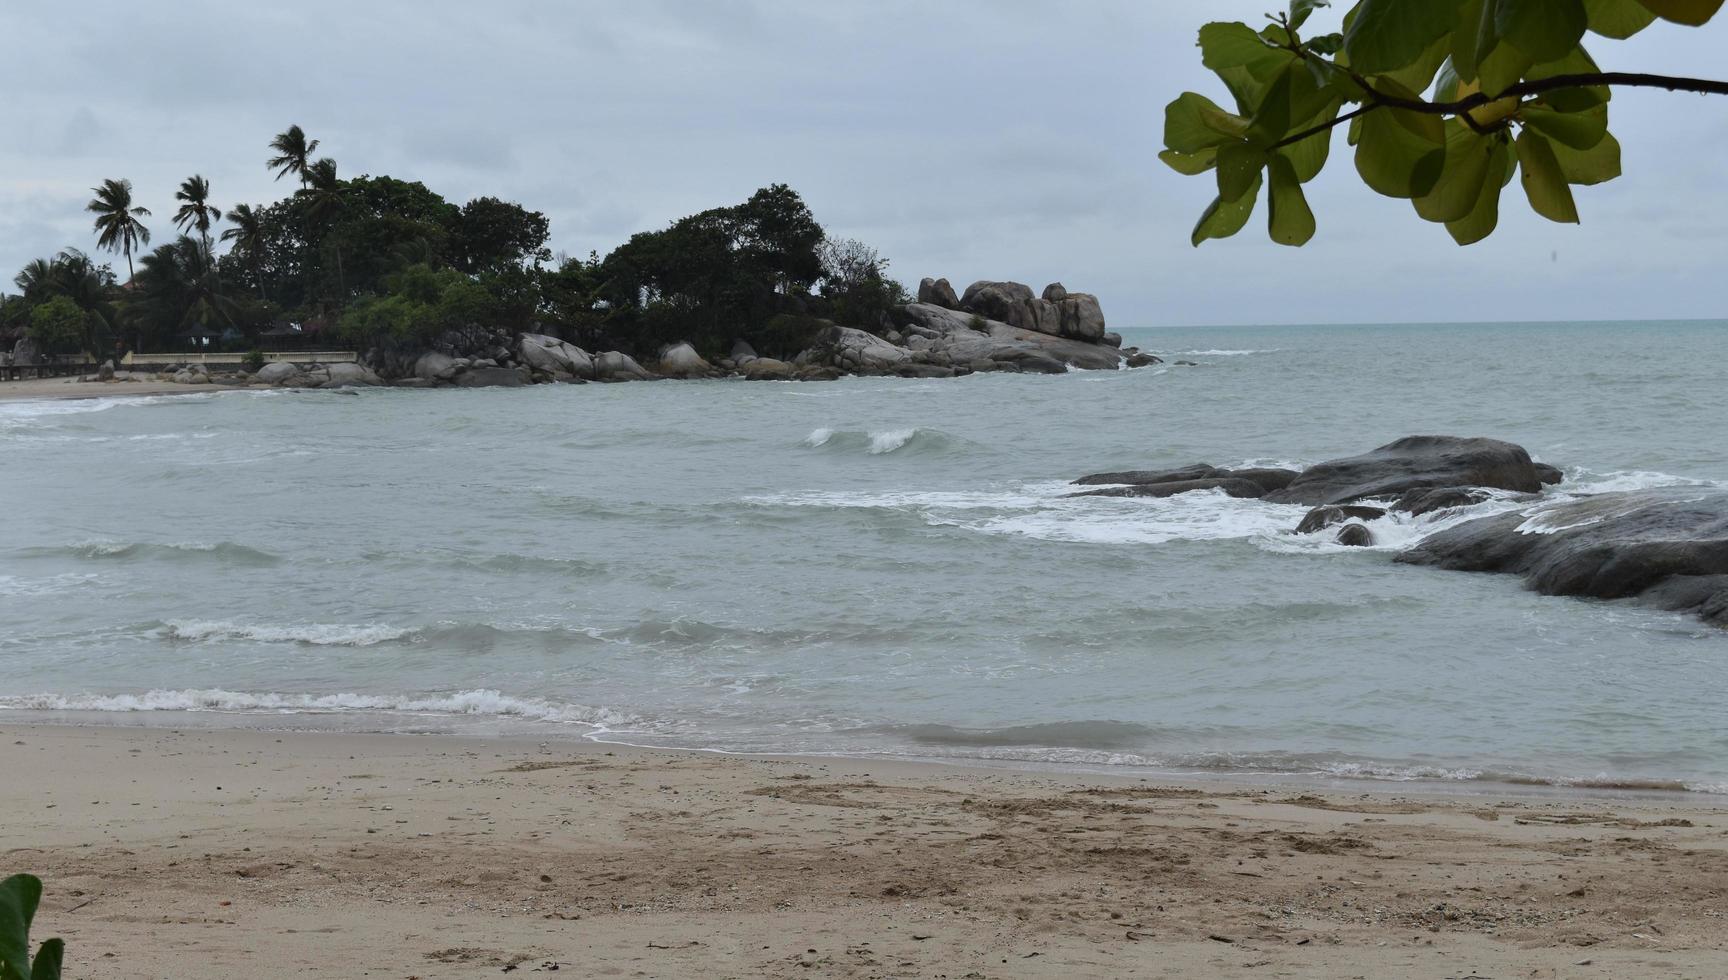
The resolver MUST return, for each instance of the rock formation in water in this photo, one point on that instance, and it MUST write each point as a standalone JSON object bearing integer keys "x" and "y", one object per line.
{"x": 1667, "y": 548}
{"x": 993, "y": 327}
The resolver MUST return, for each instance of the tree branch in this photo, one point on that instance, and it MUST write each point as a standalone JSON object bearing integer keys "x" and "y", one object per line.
{"x": 1621, "y": 79}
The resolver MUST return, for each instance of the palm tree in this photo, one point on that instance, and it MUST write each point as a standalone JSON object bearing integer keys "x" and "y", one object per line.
{"x": 197, "y": 212}
{"x": 294, "y": 154}
{"x": 326, "y": 199}
{"x": 179, "y": 287}
{"x": 117, "y": 226}
{"x": 250, "y": 238}
{"x": 35, "y": 279}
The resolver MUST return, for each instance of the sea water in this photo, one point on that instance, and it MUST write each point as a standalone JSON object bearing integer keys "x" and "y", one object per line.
{"x": 874, "y": 566}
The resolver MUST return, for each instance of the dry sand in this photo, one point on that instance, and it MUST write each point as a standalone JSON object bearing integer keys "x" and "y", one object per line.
{"x": 38, "y": 388}
{"x": 225, "y": 854}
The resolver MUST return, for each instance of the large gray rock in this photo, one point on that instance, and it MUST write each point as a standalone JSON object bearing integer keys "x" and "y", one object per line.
{"x": 855, "y": 351}
{"x": 1667, "y": 548}
{"x": 1412, "y": 463}
{"x": 681, "y": 361}
{"x": 350, "y": 376}
{"x": 105, "y": 372}
{"x": 564, "y": 362}
{"x": 435, "y": 366}
{"x": 938, "y": 292}
{"x": 277, "y": 373}
{"x": 1058, "y": 312}
{"x": 615, "y": 366}
{"x": 742, "y": 353}
{"x": 966, "y": 338}
{"x": 1266, "y": 480}
{"x": 1332, "y": 515}
{"x": 767, "y": 369}
{"x": 1232, "y": 487}
{"x": 26, "y": 352}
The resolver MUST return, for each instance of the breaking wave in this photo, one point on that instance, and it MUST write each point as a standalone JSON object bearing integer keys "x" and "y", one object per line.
{"x": 909, "y": 442}
{"x": 106, "y": 550}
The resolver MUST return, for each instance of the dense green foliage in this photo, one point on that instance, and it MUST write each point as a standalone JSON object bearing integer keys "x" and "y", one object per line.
{"x": 380, "y": 260}
{"x": 19, "y": 896}
{"x": 1511, "y": 91}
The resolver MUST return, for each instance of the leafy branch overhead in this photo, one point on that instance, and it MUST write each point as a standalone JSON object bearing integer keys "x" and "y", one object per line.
{"x": 1449, "y": 100}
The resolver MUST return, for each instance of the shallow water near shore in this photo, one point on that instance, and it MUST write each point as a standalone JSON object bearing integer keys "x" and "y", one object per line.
{"x": 875, "y": 566}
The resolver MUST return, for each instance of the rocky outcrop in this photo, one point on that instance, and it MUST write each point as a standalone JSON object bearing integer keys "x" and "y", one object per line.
{"x": 1413, "y": 463}
{"x": 277, "y": 373}
{"x": 681, "y": 361}
{"x": 856, "y": 352}
{"x": 435, "y": 366}
{"x": 1667, "y": 548}
{"x": 1332, "y": 515}
{"x": 938, "y": 292}
{"x": 492, "y": 376}
{"x": 971, "y": 338}
{"x": 1355, "y": 535}
{"x": 614, "y": 366}
{"x": 1231, "y": 486}
{"x": 1200, "y": 476}
{"x": 767, "y": 369}
{"x": 554, "y": 358}
{"x": 1057, "y": 312}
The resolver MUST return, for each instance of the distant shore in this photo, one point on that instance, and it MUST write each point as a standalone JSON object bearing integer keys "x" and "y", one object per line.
{"x": 209, "y": 853}
{"x": 72, "y": 388}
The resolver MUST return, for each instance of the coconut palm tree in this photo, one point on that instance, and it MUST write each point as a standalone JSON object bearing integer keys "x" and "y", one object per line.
{"x": 197, "y": 212}
{"x": 326, "y": 199}
{"x": 250, "y": 239}
{"x": 179, "y": 287}
{"x": 294, "y": 154}
{"x": 117, "y": 226}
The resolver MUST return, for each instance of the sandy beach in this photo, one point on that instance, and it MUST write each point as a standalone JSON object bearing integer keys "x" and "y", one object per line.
{"x": 214, "y": 853}
{"x": 52, "y": 388}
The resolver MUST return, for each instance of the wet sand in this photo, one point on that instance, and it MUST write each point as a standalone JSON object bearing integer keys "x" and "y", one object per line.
{"x": 216, "y": 854}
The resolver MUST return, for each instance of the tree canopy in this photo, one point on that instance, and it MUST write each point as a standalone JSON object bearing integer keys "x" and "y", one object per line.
{"x": 1449, "y": 101}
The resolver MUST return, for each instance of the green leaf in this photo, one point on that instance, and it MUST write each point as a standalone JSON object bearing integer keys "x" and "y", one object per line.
{"x": 1272, "y": 119}
{"x": 1502, "y": 68}
{"x": 1225, "y": 218}
{"x": 1401, "y": 153}
{"x": 48, "y": 960}
{"x": 1193, "y": 123}
{"x": 1544, "y": 182}
{"x": 1483, "y": 218}
{"x": 1231, "y": 45}
{"x": 1419, "y": 74}
{"x": 1190, "y": 164}
{"x": 1542, "y": 29}
{"x": 1301, "y": 9}
{"x": 1387, "y": 35}
{"x": 1692, "y": 13}
{"x": 1456, "y": 193}
{"x": 1289, "y": 219}
{"x": 1469, "y": 46}
{"x": 1576, "y": 62}
{"x": 1309, "y": 156}
{"x": 19, "y": 896}
{"x": 1327, "y": 44}
{"x": 1239, "y": 166}
{"x": 1579, "y": 130}
{"x": 1596, "y": 165}
{"x": 1618, "y": 19}
{"x": 1446, "y": 83}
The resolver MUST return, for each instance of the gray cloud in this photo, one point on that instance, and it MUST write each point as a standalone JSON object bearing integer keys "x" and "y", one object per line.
{"x": 970, "y": 139}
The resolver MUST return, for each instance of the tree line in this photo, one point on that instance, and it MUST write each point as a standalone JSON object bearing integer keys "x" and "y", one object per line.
{"x": 376, "y": 260}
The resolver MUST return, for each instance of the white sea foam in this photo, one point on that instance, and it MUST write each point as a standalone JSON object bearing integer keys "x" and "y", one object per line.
{"x": 818, "y": 437}
{"x": 887, "y": 442}
{"x": 13, "y": 585}
{"x": 481, "y": 702}
{"x": 311, "y": 634}
{"x": 1225, "y": 353}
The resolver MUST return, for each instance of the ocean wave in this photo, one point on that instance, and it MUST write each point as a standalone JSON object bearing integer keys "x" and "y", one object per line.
{"x": 313, "y": 634}
{"x": 183, "y": 551}
{"x": 909, "y": 441}
{"x": 12, "y": 585}
{"x": 482, "y": 702}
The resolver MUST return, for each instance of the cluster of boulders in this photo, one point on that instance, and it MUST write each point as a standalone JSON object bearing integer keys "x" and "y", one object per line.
{"x": 993, "y": 327}
{"x": 1415, "y": 475}
{"x": 1664, "y": 547}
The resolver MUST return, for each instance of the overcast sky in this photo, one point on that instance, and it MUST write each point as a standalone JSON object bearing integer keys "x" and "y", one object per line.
{"x": 1002, "y": 139}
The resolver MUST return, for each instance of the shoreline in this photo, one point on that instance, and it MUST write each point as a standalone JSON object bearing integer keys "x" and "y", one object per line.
{"x": 51, "y": 389}
{"x": 505, "y": 730}
{"x": 204, "y": 853}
